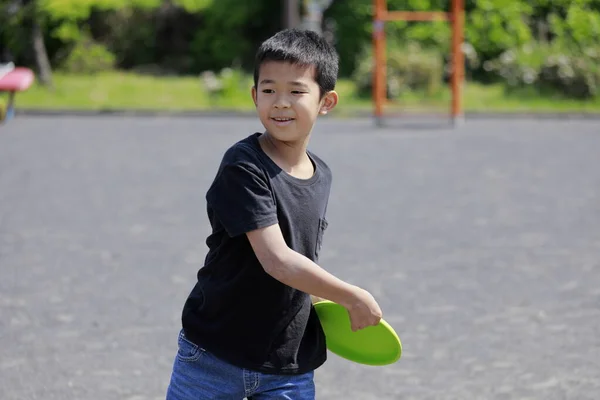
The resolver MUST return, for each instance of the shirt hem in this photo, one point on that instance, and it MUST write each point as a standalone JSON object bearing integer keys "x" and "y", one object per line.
{"x": 318, "y": 362}
{"x": 257, "y": 224}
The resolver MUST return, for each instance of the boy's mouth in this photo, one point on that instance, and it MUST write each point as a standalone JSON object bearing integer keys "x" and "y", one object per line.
{"x": 282, "y": 121}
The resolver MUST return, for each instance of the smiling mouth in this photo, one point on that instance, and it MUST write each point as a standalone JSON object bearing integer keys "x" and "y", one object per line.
{"x": 278, "y": 119}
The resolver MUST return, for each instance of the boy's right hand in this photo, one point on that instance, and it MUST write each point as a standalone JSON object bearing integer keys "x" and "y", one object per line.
{"x": 363, "y": 310}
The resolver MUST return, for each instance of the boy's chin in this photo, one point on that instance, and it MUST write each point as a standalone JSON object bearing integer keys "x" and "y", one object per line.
{"x": 286, "y": 135}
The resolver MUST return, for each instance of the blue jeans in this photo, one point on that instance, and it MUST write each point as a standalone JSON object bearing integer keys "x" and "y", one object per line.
{"x": 199, "y": 375}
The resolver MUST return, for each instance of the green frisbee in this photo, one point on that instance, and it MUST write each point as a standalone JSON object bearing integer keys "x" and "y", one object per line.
{"x": 375, "y": 345}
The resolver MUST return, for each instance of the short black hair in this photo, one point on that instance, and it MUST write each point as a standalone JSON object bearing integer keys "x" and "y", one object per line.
{"x": 304, "y": 48}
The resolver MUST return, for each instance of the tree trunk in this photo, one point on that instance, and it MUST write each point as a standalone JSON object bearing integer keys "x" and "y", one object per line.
{"x": 291, "y": 14}
{"x": 41, "y": 55}
{"x": 313, "y": 14}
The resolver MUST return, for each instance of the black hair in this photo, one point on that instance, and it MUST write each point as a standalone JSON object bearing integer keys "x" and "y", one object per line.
{"x": 304, "y": 48}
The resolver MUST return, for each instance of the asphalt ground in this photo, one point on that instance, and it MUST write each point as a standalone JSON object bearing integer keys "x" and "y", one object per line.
{"x": 482, "y": 244}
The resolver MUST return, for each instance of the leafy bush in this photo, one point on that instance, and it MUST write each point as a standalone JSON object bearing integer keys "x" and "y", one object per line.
{"x": 493, "y": 26}
{"x": 88, "y": 57}
{"x": 409, "y": 68}
{"x": 550, "y": 68}
{"x": 580, "y": 26}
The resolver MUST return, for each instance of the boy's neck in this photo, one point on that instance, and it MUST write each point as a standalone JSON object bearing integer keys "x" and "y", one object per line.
{"x": 288, "y": 155}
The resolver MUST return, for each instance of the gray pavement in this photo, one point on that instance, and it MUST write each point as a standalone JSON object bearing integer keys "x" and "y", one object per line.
{"x": 482, "y": 245}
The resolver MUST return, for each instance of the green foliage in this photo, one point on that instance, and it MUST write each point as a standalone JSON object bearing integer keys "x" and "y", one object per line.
{"x": 231, "y": 32}
{"x": 493, "y": 26}
{"x": 234, "y": 81}
{"x": 69, "y": 14}
{"x": 427, "y": 34}
{"x": 580, "y": 26}
{"x": 11, "y": 30}
{"x": 191, "y": 36}
{"x": 77, "y": 10}
{"x": 193, "y": 6}
{"x": 228, "y": 85}
{"x": 353, "y": 21}
{"x": 410, "y": 68}
{"x": 550, "y": 69}
{"x": 131, "y": 35}
{"x": 353, "y": 27}
{"x": 88, "y": 57}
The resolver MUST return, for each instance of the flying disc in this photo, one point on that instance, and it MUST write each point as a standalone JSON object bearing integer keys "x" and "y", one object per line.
{"x": 374, "y": 345}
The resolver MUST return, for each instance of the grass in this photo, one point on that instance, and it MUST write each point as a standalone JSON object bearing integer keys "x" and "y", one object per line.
{"x": 120, "y": 90}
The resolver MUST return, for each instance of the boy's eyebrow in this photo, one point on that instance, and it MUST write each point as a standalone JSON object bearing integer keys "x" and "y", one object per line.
{"x": 293, "y": 83}
{"x": 297, "y": 83}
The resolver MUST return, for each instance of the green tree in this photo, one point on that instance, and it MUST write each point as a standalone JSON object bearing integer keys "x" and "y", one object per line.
{"x": 232, "y": 30}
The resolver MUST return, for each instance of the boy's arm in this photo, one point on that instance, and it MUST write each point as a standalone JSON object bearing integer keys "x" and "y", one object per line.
{"x": 297, "y": 271}
{"x": 315, "y": 299}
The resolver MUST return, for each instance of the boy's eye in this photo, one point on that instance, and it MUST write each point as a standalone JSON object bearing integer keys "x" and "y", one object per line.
{"x": 268, "y": 91}
{"x": 297, "y": 92}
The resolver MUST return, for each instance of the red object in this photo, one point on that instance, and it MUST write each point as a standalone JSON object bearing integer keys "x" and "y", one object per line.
{"x": 455, "y": 16}
{"x": 416, "y": 16}
{"x": 17, "y": 80}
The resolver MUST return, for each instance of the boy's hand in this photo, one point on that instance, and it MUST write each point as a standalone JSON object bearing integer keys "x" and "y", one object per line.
{"x": 363, "y": 310}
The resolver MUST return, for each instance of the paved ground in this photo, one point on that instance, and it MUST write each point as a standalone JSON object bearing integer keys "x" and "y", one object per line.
{"x": 482, "y": 244}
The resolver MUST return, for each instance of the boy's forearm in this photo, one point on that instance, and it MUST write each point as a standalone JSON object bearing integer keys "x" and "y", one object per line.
{"x": 315, "y": 299}
{"x": 299, "y": 272}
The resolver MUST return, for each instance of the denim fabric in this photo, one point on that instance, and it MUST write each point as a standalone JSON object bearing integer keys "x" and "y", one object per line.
{"x": 198, "y": 375}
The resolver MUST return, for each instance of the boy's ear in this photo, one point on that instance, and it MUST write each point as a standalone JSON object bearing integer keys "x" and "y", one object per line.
{"x": 254, "y": 96}
{"x": 329, "y": 101}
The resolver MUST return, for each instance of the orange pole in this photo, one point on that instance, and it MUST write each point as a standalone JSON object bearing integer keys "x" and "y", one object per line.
{"x": 379, "y": 75}
{"x": 456, "y": 18}
{"x": 458, "y": 63}
{"x": 416, "y": 16}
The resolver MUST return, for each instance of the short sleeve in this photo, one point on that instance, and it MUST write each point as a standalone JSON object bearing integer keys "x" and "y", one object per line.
{"x": 241, "y": 198}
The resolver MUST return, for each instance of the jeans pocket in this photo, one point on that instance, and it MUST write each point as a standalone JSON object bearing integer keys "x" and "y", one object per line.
{"x": 188, "y": 351}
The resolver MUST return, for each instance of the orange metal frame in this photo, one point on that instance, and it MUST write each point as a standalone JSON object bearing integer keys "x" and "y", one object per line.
{"x": 455, "y": 16}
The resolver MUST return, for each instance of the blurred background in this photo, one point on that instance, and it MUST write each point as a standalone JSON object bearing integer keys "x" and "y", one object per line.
{"x": 521, "y": 55}
{"x": 481, "y": 241}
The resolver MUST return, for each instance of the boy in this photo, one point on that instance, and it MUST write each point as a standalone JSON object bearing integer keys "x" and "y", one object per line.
{"x": 249, "y": 328}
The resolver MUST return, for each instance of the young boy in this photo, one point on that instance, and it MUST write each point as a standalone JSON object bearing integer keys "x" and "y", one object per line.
{"x": 249, "y": 328}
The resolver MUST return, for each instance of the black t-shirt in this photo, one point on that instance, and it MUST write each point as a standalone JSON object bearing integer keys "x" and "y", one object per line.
{"x": 236, "y": 310}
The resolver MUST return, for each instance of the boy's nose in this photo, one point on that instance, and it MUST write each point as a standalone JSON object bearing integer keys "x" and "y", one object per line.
{"x": 281, "y": 102}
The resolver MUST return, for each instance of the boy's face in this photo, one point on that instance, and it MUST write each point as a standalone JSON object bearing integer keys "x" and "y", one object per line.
{"x": 288, "y": 101}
